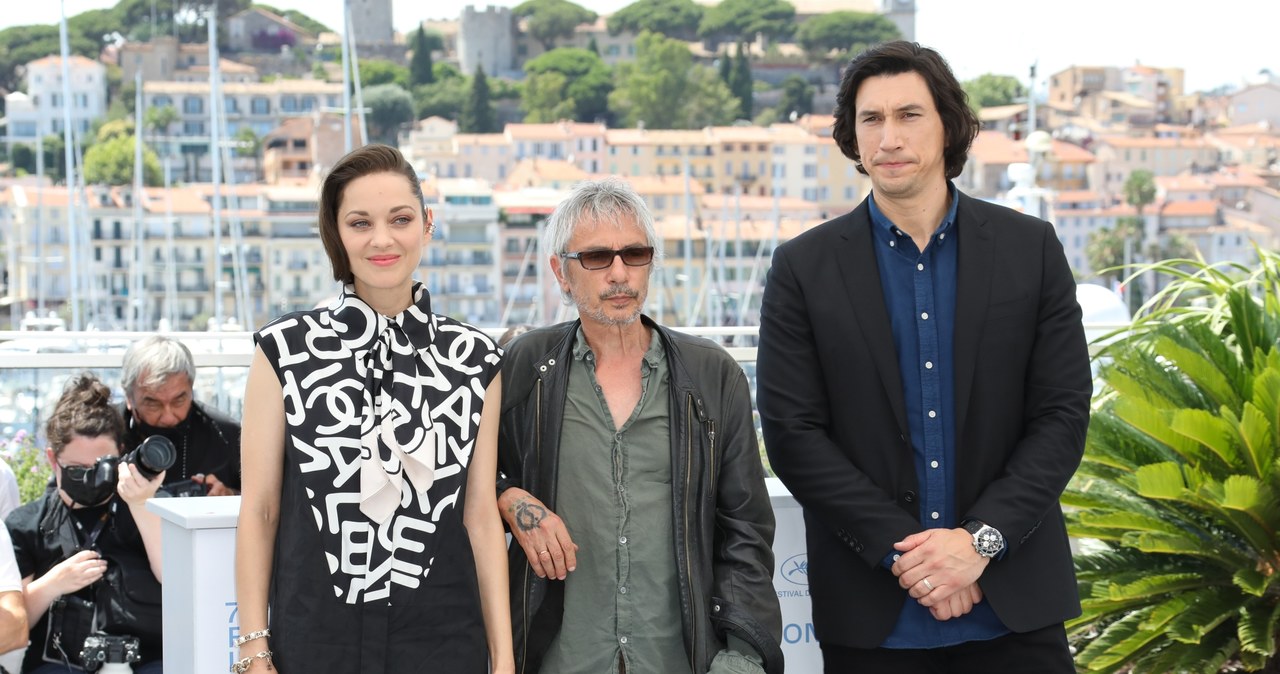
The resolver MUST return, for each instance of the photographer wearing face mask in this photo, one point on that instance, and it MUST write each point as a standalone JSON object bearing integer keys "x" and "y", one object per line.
{"x": 158, "y": 376}
{"x": 89, "y": 552}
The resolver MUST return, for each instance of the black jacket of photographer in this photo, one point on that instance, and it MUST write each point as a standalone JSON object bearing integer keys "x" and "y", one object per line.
{"x": 722, "y": 515}
{"x": 44, "y": 533}
{"x": 207, "y": 443}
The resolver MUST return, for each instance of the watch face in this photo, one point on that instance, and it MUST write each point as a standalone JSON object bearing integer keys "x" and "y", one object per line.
{"x": 988, "y": 542}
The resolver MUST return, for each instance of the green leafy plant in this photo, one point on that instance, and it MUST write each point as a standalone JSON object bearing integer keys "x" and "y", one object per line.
{"x": 1175, "y": 502}
{"x": 29, "y": 465}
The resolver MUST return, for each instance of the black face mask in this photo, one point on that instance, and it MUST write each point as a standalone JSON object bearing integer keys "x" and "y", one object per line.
{"x": 90, "y": 485}
{"x": 174, "y": 433}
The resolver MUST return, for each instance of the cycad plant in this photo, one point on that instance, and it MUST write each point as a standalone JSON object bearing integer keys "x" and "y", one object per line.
{"x": 1175, "y": 502}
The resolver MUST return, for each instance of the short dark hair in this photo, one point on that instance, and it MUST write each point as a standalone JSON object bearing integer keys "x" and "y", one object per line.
{"x": 358, "y": 163}
{"x": 84, "y": 409}
{"x": 960, "y": 125}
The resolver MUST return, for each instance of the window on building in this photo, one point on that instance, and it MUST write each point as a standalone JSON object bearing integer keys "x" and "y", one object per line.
{"x": 260, "y": 105}
{"x": 193, "y": 105}
{"x": 289, "y": 103}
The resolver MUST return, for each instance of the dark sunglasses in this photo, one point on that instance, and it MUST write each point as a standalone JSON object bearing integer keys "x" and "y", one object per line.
{"x": 591, "y": 260}
{"x": 76, "y": 473}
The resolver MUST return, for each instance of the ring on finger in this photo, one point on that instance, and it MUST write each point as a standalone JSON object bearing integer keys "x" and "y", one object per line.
{"x": 928, "y": 586}
{"x": 544, "y": 552}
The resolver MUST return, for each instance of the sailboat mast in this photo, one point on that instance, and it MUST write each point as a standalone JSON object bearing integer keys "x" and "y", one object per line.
{"x": 355, "y": 77}
{"x": 346, "y": 80}
{"x": 215, "y": 149}
{"x": 67, "y": 152}
{"x": 136, "y": 308}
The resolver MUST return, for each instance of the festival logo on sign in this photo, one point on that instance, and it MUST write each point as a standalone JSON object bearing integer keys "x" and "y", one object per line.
{"x": 796, "y": 569}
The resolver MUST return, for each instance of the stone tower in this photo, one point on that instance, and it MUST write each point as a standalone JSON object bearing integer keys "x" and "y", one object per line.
{"x": 903, "y": 14}
{"x": 486, "y": 38}
{"x": 371, "y": 22}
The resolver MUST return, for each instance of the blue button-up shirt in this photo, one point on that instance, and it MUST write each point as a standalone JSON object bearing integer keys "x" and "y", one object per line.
{"x": 920, "y": 296}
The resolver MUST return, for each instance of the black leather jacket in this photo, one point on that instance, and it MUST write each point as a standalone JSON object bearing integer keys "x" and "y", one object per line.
{"x": 723, "y": 518}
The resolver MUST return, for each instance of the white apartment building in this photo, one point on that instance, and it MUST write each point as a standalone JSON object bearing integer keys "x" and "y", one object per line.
{"x": 41, "y": 110}
{"x": 459, "y": 267}
{"x": 259, "y": 106}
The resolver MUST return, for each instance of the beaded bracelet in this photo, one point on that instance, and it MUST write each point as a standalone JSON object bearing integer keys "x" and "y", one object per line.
{"x": 241, "y": 666}
{"x": 244, "y": 639}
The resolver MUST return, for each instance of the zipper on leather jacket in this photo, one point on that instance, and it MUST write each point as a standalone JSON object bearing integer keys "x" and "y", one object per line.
{"x": 524, "y": 596}
{"x": 688, "y": 553}
{"x": 711, "y": 465}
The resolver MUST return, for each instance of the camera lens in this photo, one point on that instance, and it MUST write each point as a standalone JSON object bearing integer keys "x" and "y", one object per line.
{"x": 154, "y": 456}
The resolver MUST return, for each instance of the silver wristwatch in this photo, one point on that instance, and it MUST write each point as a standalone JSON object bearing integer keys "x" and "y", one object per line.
{"x": 987, "y": 540}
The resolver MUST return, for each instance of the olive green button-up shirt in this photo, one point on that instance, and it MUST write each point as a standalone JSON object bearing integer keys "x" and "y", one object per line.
{"x": 622, "y": 603}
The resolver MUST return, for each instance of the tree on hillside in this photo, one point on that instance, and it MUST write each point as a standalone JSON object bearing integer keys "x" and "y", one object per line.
{"x": 477, "y": 112}
{"x": 97, "y": 24}
{"x": 248, "y": 144}
{"x": 831, "y": 38}
{"x": 649, "y": 87}
{"x": 725, "y": 63}
{"x": 114, "y": 129}
{"x": 663, "y": 72}
{"x": 583, "y": 93}
{"x": 672, "y": 18}
{"x": 1140, "y": 190}
{"x": 193, "y": 18}
{"x": 391, "y": 106}
{"x": 442, "y": 98}
{"x": 544, "y": 98}
{"x": 111, "y": 163}
{"x": 707, "y": 100}
{"x": 20, "y": 45}
{"x": 989, "y": 90}
{"x": 741, "y": 84}
{"x": 157, "y": 120}
{"x": 421, "y": 70}
{"x": 844, "y": 33}
{"x": 551, "y": 20}
{"x": 797, "y": 97}
{"x": 302, "y": 20}
{"x": 378, "y": 71}
{"x": 742, "y": 20}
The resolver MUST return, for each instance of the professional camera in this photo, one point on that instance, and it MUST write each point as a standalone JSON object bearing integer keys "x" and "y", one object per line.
{"x": 109, "y": 652}
{"x": 184, "y": 488}
{"x": 154, "y": 456}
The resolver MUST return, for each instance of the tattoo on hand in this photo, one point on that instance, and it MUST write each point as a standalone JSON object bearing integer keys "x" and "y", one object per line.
{"x": 529, "y": 515}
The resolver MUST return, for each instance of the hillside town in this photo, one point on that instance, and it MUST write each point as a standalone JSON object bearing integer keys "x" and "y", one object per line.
{"x": 501, "y": 114}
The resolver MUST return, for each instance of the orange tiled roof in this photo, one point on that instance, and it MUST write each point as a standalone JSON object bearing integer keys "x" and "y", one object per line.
{"x": 553, "y": 131}
{"x": 993, "y": 147}
{"x": 1076, "y": 196}
{"x": 76, "y": 60}
{"x": 1189, "y": 208}
{"x": 1154, "y": 143}
{"x": 1182, "y": 183}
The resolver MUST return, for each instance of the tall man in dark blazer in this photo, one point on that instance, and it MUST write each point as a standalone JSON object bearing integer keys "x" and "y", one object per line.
{"x": 924, "y": 392}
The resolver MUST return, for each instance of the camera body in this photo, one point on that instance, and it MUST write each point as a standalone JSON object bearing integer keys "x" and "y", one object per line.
{"x": 107, "y": 649}
{"x": 185, "y": 488}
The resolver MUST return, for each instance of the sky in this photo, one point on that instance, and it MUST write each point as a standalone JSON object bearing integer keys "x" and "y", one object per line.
{"x": 1217, "y": 43}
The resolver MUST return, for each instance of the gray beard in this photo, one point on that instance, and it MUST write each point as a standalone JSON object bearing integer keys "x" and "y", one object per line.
{"x": 597, "y": 314}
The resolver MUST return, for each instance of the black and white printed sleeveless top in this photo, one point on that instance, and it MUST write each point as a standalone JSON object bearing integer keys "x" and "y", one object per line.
{"x": 381, "y": 415}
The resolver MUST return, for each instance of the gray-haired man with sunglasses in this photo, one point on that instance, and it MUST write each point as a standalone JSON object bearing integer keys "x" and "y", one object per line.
{"x": 631, "y": 477}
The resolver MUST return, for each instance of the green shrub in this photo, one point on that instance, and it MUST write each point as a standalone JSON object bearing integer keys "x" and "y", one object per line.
{"x": 1176, "y": 499}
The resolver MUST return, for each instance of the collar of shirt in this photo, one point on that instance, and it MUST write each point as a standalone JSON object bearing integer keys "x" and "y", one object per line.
{"x": 887, "y": 232}
{"x": 583, "y": 350}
